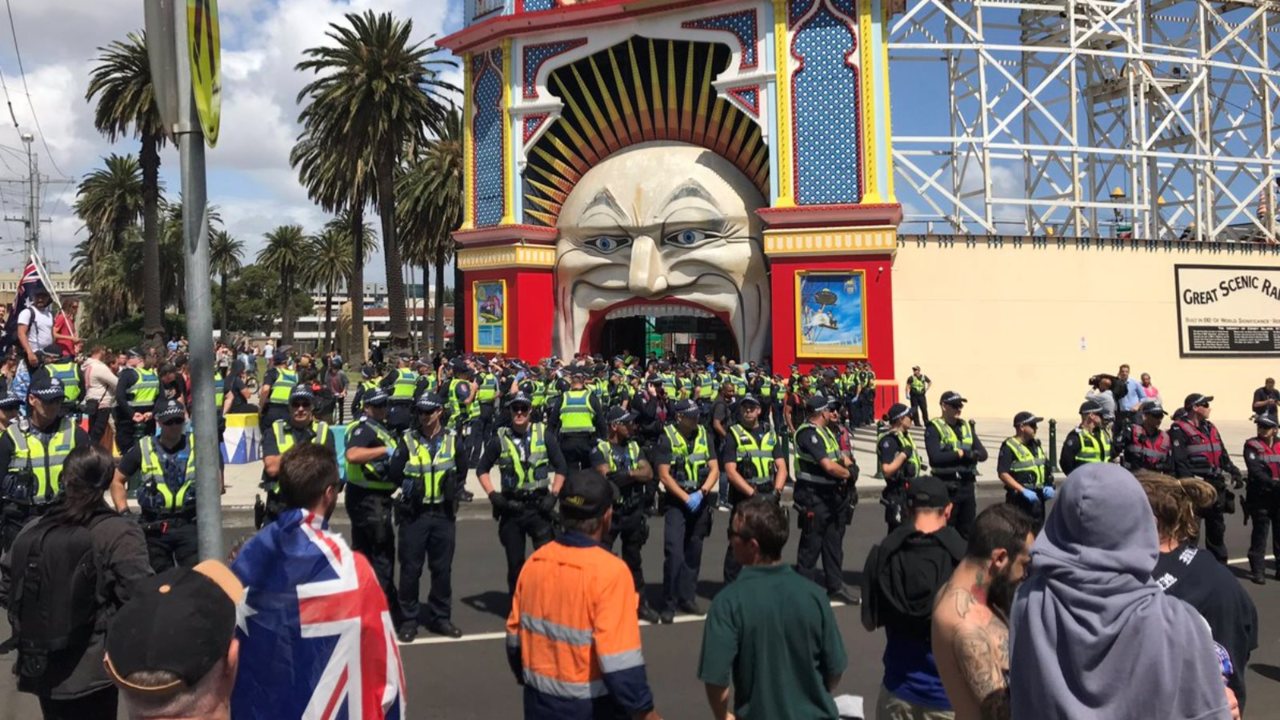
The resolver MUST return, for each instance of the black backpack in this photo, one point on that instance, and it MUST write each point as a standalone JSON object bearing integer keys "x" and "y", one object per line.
{"x": 53, "y": 603}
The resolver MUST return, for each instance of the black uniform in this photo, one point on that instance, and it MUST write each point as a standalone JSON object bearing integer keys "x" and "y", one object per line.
{"x": 893, "y": 497}
{"x": 960, "y": 474}
{"x": 1202, "y": 455}
{"x": 1262, "y": 461}
{"x": 400, "y": 409}
{"x": 919, "y": 400}
{"x": 19, "y": 501}
{"x": 522, "y": 512}
{"x": 629, "y": 519}
{"x": 369, "y": 505}
{"x": 172, "y": 538}
{"x": 825, "y": 506}
{"x": 761, "y": 479}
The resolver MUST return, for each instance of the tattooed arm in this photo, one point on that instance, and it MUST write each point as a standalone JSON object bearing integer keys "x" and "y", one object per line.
{"x": 982, "y": 654}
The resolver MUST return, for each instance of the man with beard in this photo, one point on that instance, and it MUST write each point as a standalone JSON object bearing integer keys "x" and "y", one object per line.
{"x": 971, "y": 615}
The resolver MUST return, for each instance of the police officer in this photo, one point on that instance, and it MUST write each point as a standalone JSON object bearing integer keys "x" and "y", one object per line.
{"x": 402, "y": 385}
{"x": 1146, "y": 446}
{"x": 1024, "y": 469}
{"x": 55, "y": 363}
{"x": 137, "y": 390}
{"x": 824, "y": 496}
{"x": 899, "y": 462}
{"x": 300, "y": 427}
{"x": 460, "y": 403}
{"x": 688, "y": 471}
{"x": 370, "y": 447}
{"x": 578, "y": 417}
{"x": 755, "y": 464}
{"x": 166, "y": 470}
{"x": 1262, "y": 463}
{"x": 487, "y": 393}
{"x": 368, "y": 381}
{"x": 428, "y": 467}
{"x": 1088, "y": 443}
{"x": 10, "y": 407}
{"x": 868, "y": 399}
{"x": 954, "y": 451}
{"x": 33, "y": 449}
{"x": 533, "y": 469}
{"x": 619, "y": 459}
{"x": 277, "y": 385}
{"x": 917, "y": 388}
{"x": 1198, "y": 452}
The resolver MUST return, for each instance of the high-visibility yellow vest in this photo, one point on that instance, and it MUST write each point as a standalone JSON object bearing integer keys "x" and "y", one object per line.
{"x": 44, "y": 458}
{"x": 911, "y": 468}
{"x": 1028, "y": 466}
{"x": 488, "y": 391}
{"x": 284, "y": 440}
{"x": 689, "y": 464}
{"x": 916, "y": 384}
{"x": 406, "y": 385}
{"x": 219, "y": 390}
{"x": 949, "y": 439}
{"x": 67, "y": 373}
{"x": 457, "y": 411}
{"x": 143, "y": 393}
{"x": 539, "y": 398}
{"x": 707, "y": 387}
{"x": 633, "y": 454}
{"x": 430, "y": 470}
{"x": 517, "y": 474}
{"x": 282, "y": 387}
{"x": 576, "y": 412}
{"x": 356, "y": 474}
{"x": 757, "y": 456}
{"x": 160, "y": 496}
{"x": 1093, "y": 449}
{"x": 806, "y": 468}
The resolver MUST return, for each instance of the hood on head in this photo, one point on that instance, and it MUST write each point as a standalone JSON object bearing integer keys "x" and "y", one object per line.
{"x": 1102, "y": 522}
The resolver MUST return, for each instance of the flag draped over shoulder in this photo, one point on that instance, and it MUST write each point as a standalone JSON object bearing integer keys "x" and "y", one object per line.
{"x": 316, "y": 639}
{"x": 33, "y": 279}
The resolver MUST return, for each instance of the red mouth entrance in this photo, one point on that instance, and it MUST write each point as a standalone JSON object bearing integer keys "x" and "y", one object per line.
{"x": 668, "y": 326}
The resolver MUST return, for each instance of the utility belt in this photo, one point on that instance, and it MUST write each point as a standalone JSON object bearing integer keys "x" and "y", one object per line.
{"x": 815, "y": 479}
{"x": 525, "y": 497}
{"x": 631, "y": 498}
{"x": 956, "y": 477}
{"x": 160, "y": 524}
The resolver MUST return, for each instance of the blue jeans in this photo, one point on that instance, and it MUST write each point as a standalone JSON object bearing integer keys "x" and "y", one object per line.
{"x": 21, "y": 381}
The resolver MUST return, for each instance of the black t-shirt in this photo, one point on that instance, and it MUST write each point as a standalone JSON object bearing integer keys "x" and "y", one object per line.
{"x": 724, "y": 411}
{"x": 235, "y": 388}
{"x": 1195, "y": 577}
{"x": 1263, "y": 393}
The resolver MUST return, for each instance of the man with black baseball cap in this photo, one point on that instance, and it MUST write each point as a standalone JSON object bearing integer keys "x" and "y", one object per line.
{"x": 1089, "y": 442}
{"x": 955, "y": 451}
{"x": 171, "y": 649}
{"x": 620, "y": 459}
{"x": 1146, "y": 446}
{"x": 1262, "y": 461}
{"x": 1024, "y": 469}
{"x": 899, "y": 462}
{"x": 370, "y": 446}
{"x": 301, "y": 426}
{"x": 1198, "y": 451}
{"x": 825, "y": 494}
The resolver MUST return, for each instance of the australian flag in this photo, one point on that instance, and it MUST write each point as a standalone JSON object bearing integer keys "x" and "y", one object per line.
{"x": 31, "y": 282}
{"x": 316, "y": 639}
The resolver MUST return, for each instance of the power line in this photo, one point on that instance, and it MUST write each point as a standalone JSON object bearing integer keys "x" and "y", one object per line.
{"x": 23, "y": 73}
{"x": 5, "y": 86}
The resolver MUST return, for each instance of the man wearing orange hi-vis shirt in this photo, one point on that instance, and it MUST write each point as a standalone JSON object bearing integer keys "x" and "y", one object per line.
{"x": 573, "y": 638}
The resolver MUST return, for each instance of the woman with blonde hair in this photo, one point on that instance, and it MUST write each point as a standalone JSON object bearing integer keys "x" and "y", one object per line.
{"x": 1195, "y": 577}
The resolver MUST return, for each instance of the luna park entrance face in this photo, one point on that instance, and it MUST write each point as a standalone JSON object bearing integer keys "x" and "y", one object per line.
{"x": 679, "y": 336}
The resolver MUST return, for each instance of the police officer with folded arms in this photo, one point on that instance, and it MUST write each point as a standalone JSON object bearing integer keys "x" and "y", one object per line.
{"x": 370, "y": 447}
{"x": 899, "y": 462}
{"x": 33, "y": 450}
{"x": 620, "y": 460}
{"x": 1198, "y": 452}
{"x": 1024, "y": 469}
{"x": 954, "y": 453}
{"x": 755, "y": 464}
{"x": 578, "y": 419}
{"x": 1146, "y": 446}
{"x": 533, "y": 468}
{"x": 300, "y": 427}
{"x": 137, "y": 390}
{"x": 688, "y": 471}
{"x": 1089, "y": 442}
{"x": 166, "y": 470}
{"x": 825, "y": 494}
{"x": 1262, "y": 463}
{"x": 429, "y": 468}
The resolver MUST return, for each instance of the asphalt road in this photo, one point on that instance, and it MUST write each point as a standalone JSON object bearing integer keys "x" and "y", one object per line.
{"x": 469, "y": 678}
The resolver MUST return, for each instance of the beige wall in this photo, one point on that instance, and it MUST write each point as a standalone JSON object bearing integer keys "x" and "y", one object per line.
{"x": 1023, "y": 327}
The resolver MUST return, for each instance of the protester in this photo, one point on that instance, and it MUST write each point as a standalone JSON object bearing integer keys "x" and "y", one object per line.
{"x": 172, "y": 650}
{"x": 1194, "y": 576}
{"x": 971, "y": 615}
{"x": 100, "y": 395}
{"x": 1092, "y": 634}
{"x": 60, "y": 616}
{"x": 301, "y": 582}
{"x": 64, "y": 327}
{"x": 771, "y": 631}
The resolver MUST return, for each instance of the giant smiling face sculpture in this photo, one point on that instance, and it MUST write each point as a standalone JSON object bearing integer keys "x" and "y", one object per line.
{"x": 662, "y": 228}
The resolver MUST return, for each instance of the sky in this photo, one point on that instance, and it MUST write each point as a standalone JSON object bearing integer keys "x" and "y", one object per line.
{"x": 250, "y": 179}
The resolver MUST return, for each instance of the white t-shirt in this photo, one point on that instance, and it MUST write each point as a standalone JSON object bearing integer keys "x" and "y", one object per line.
{"x": 39, "y": 326}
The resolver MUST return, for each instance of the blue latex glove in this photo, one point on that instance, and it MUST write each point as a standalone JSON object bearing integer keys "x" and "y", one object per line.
{"x": 1048, "y": 493}
{"x": 390, "y": 451}
{"x": 1030, "y": 495}
{"x": 694, "y": 501}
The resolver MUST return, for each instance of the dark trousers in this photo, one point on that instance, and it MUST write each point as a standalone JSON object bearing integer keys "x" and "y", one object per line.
{"x": 868, "y": 408}
{"x": 919, "y": 410}
{"x": 399, "y": 416}
{"x": 514, "y": 525}
{"x": 172, "y": 543}
{"x": 1215, "y": 531}
{"x": 964, "y": 504}
{"x": 683, "y": 535}
{"x": 633, "y": 527}
{"x": 372, "y": 534}
{"x": 824, "y": 515}
{"x": 1264, "y": 512}
{"x": 100, "y": 705}
{"x": 577, "y": 449}
{"x": 99, "y": 421}
{"x": 428, "y": 533}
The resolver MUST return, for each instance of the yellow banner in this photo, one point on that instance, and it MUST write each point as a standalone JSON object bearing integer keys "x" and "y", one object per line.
{"x": 204, "y": 46}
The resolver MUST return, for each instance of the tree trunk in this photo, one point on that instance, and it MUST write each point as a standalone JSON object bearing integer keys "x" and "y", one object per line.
{"x": 424, "y": 324}
{"x": 328, "y": 318}
{"x": 439, "y": 309}
{"x": 355, "y": 288}
{"x": 152, "y": 309}
{"x": 398, "y": 318}
{"x": 286, "y": 314}
{"x": 224, "y": 321}
{"x": 460, "y": 311}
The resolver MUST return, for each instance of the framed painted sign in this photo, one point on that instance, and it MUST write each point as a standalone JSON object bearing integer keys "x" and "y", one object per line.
{"x": 831, "y": 311}
{"x": 489, "y": 315}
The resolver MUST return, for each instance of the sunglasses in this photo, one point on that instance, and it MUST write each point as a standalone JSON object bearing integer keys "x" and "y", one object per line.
{"x": 300, "y": 404}
{"x": 521, "y": 410}
{"x": 171, "y": 423}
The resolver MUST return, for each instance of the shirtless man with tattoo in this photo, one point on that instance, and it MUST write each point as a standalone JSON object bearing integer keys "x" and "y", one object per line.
{"x": 970, "y": 614}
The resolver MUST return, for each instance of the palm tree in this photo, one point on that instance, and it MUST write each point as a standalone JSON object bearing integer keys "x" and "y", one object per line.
{"x": 329, "y": 262}
{"x": 225, "y": 254}
{"x": 430, "y": 194}
{"x": 173, "y": 267}
{"x": 126, "y": 107}
{"x": 108, "y": 202}
{"x": 376, "y": 94}
{"x": 284, "y": 255}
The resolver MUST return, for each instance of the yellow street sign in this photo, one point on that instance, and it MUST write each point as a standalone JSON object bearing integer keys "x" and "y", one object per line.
{"x": 204, "y": 46}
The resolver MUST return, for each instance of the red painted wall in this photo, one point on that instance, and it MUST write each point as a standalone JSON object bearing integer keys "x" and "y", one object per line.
{"x": 878, "y": 320}
{"x": 529, "y": 310}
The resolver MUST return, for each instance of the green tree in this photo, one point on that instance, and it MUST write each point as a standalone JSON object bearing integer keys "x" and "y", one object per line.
{"x": 126, "y": 106}
{"x": 329, "y": 262}
{"x": 250, "y": 309}
{"x": 108, "y": 201}
{"x": 173, "y": 266}
{"x": 225, "y": 256}
{"x": 285, "y": 257}
{"x": 376, "y": 94}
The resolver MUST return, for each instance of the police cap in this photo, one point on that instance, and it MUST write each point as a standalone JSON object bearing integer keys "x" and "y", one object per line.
{"x": 46, "y": 387}
{"x": 897, "y": 411}
{"x": 376, "y": 397}
{"x": 428, "y": 402}
{"x": 1026, "y": 418}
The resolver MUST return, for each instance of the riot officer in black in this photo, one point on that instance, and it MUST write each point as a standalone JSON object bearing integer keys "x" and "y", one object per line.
{"x": 620, "y": 459}
{"x": 755, "y": 464}
{"x": 1198, "y": 452}
{"x": 825, "y": 494}
{"x": 1262, "y": 460}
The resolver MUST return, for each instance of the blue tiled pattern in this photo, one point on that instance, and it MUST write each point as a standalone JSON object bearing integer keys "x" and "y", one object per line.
{"x": 488, "y": 138}
{"x": 845, "y": 7}
{"x": 825, "y": 104}
{"x": 535, "y": 55}
{"x": 741, "y": 24}
{"x": 749, "y": 97}
{"x": 534, "y": 5}
{"x": 796, "y": 10}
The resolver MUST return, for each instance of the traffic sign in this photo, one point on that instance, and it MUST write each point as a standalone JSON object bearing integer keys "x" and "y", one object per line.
{"x": 204, "y": 47}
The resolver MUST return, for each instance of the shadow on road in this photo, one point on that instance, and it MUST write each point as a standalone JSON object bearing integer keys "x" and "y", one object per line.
{"x": 1270, "y": 672}
{"x": 492, "y": 602}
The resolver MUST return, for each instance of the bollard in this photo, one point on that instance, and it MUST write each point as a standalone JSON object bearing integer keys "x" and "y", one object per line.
{"x": 1053, "y": 445}
{"x": 973, "y": 430}
{"x": 881, "y": 429}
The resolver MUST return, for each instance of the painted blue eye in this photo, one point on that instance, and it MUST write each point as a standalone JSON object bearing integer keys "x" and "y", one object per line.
{"x": 686, "y": 238}
{"x": 607, "y": 244}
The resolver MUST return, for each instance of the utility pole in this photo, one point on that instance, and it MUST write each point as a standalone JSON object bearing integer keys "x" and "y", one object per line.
{"x": 33, "y": 182}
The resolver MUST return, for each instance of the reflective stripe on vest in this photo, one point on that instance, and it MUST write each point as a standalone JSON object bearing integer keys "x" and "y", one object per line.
{"x": 421, "y": 466}
{"x": 153, "y": 479}
{"x": 1202, "y": 445}
{"x": 1027, "y": 461}
{"x": 143, "y": 393}
{"x": 707, "y": 387}
{"x": 282, "y": 387}
{"x": 689, "y": 465}
{"x": 633, "y": 455}
{"x": 806, "y": 468}
{"x": 1266, "y": 454}
{"x": 488, "y": 391}
{"x": 405, "y": 386}
{"x": 539, "y": 394}
{"x": 284, "y": 440}
{"x": 535, "y": 474}
{"x": 950, "y": 441}
{"x": 43, "y": 457}
{"x": 757, "y": 455}
{"x": 912, "y": 465}
{"x": 576, "y": 413}
{"x": 916, "y": 384}
{"x": 356, "y": 474}
{"x": 1092, "y": 449}
{"x": 67, "y": 373}
{"x": 219, "y": 390}
{"x": 1153, "y": 451}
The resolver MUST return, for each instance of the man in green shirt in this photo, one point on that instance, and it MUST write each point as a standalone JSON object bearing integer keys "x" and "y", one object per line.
{"x": 781, "y": 664}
